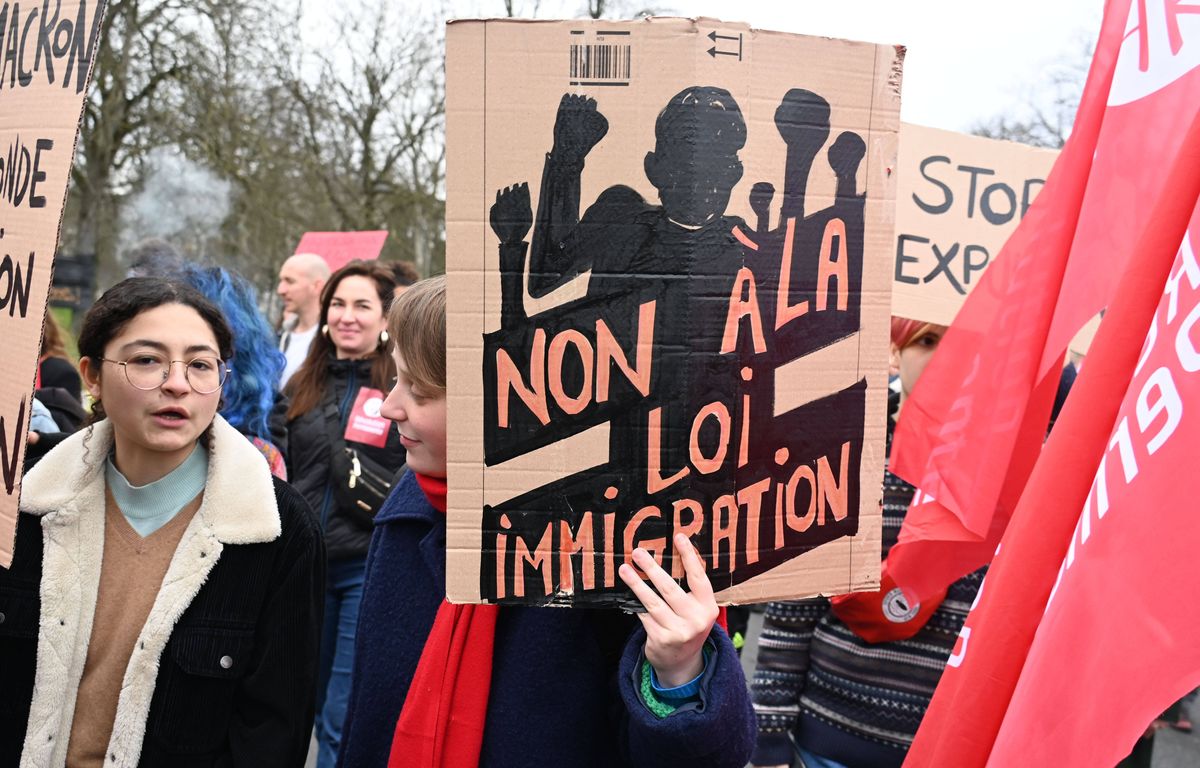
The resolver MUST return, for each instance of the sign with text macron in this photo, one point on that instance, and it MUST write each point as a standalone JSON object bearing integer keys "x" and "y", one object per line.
{"x": 45, "y": 69}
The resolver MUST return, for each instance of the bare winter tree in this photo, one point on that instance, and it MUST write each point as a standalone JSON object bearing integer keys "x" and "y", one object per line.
{"x": 617, "y": 9}
{"x": 513, "y": 9}
{"x": 210, "y": 115}
{"x": 373, "y": 122}
{"x": 595, "y": 9}
{"x": 143, "y": 50}
{"x": 1046, "y": 117}
{"x": 240, "y": 121}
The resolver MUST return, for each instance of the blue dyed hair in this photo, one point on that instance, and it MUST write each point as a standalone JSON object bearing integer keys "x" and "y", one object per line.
{"x": 257, "y": 363}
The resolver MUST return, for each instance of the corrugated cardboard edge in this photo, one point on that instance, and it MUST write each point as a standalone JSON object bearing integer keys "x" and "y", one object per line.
{"x": 8, "y": 535}
{"x": 695, "y": 21}
{"x": 465, "y": 96}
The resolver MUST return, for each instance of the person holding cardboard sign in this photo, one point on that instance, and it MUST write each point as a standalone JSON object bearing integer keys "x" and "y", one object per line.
{"x": 164, "y": 601}
{"x": 438, "y": 684}
{"x": 342, "y": 456}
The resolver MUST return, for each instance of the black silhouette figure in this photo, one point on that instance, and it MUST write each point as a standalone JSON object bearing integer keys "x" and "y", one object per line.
{"x": 683, "y": 254}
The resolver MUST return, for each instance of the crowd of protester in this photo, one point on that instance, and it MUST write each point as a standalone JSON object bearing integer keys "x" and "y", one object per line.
{"x": 176, "y": 600}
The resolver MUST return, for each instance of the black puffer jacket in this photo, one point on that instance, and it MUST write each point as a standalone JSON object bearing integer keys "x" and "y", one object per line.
{"x": 309, "y": 454}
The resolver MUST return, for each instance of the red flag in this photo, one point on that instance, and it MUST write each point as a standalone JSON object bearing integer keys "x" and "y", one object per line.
{"x": 1117, "y": 642}
{"x": 970, "y": 705}
{"x": 1152, "y": 56}
{"x": 973, "y": 428}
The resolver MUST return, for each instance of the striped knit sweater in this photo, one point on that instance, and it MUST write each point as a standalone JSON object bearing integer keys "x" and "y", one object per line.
{"x": 836, "y": 694}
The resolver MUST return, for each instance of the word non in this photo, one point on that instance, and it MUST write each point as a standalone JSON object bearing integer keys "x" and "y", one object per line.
{"x": 598, "y": 354}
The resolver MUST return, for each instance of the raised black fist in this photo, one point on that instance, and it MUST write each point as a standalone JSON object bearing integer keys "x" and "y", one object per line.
{"x": 577, "y": 128}
{"x": 511, "y": 214}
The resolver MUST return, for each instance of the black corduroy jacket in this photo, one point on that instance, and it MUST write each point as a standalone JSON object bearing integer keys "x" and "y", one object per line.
{"x": 223, "y": 671}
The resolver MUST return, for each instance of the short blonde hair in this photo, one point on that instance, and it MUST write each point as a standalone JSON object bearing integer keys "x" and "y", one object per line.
{"x": 417, "y": 323}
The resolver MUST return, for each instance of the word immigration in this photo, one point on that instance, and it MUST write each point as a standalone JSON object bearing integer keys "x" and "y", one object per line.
{"x": 677, "y": 343}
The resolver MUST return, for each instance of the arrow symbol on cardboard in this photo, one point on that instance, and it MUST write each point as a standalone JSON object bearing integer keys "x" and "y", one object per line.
{"x": 715, "y": 37}
{"x": 715, "y": 53}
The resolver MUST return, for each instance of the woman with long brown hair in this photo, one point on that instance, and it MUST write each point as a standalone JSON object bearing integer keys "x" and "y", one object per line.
{"x": 342, "y": 458}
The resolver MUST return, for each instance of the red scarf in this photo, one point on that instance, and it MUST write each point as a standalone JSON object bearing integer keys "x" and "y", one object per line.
{"x": 441, "y": 724}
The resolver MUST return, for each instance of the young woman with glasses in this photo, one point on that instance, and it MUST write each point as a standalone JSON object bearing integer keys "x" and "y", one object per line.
{"x": 164, "y": 601}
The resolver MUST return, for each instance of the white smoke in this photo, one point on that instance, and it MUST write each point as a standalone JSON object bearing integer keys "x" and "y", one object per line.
{"x": 180, "y": 202}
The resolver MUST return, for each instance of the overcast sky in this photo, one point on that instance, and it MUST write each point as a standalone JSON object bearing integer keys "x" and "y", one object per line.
{"x": 968, "y": 60}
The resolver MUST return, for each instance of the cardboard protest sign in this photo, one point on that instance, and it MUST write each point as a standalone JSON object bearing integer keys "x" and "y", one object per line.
{"x": 669, "y": 248}
{"x": 958, "y": 199}
{"x": 47, "y": 63}
{"x": 340, "y": 248}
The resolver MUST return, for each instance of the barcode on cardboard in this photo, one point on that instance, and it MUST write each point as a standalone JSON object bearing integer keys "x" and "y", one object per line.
{"x": 600, "y": 64}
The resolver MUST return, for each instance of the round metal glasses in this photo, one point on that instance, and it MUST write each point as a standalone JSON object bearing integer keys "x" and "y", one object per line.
{"x": 146, "y": 372}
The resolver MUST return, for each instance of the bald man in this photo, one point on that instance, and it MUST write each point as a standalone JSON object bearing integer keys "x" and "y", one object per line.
{"x": 301, "y": 279}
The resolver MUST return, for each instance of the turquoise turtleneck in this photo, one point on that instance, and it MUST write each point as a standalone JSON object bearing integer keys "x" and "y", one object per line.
{"x": 150, "y": 507}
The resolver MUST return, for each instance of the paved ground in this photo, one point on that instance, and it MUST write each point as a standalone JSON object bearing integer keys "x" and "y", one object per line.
{"x": 1172, "y": 749}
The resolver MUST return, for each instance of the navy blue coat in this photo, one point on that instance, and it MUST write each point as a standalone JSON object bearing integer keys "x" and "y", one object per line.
{"x": 563, "y": 689}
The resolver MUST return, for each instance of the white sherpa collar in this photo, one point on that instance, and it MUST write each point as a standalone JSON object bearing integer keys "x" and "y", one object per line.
{"x": 239, "y": 495}
{"x": 66, "y": 489}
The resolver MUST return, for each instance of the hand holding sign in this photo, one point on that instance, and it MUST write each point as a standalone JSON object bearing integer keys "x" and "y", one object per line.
{"x": 677, "y": 623}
